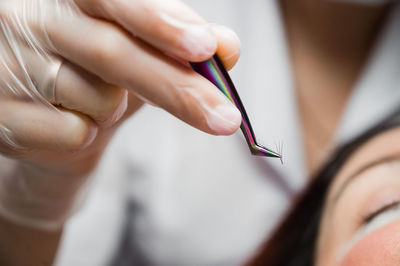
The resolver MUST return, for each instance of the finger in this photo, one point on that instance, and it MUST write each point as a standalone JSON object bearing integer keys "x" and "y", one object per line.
{"x": 65, "y": 84}
{"x": 79, "y": 90}
{"x": 108, "y": 52}
{"x": 27, "y": 126}
{"x": 171, "y": 26}
{"x": 134, "y": 104}
{"x": 228, "y": 45}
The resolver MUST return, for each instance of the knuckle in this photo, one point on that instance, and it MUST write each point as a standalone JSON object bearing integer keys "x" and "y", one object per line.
{"x": 109, "y": 49}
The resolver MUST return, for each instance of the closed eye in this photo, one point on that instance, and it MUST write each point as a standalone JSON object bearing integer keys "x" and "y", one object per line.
{"x": 387, "y": 207}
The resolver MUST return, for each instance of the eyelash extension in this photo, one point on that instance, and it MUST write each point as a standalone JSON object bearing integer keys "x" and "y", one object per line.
{"x": 393, "y": 205}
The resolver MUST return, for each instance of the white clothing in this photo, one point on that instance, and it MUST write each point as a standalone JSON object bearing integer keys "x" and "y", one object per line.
{"x": 202, "y": 200}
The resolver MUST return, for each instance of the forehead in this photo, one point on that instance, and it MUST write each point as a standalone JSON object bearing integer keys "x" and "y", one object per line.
{"x": 382, "y": 146}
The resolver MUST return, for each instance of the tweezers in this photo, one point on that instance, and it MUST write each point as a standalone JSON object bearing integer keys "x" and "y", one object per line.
{"x": 215, "y": 72}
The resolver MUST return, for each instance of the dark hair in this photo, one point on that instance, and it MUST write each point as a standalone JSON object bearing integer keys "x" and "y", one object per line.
{"x": 294, "y": 241}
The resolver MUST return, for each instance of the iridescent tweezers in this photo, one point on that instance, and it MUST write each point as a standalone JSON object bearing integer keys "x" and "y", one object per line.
{"x": 215, "y": 72}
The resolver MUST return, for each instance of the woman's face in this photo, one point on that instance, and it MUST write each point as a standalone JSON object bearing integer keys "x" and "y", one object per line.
{"x": 361, "y": 218}
{"x": 365, "y": 2}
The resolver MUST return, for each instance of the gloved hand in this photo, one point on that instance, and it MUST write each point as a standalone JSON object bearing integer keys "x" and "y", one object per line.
{"x": 72, "y": 71}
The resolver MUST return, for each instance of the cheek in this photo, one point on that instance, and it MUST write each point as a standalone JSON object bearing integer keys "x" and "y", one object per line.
{"x": 380, "y": 248}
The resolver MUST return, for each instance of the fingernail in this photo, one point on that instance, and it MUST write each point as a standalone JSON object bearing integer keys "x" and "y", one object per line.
{"x": 230, "y": 37}
{"x": 81, "y": 133}
{"x": 198, "y": 40}
{"x": 224, "y": 119}
{"x": 119, "y": 112}
{"x": 92, "y": 134}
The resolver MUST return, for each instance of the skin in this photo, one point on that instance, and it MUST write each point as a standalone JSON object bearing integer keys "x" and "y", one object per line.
{"x": 20, "y": 245}
{"x": 109, "y": 48}
{"x": 352, "y": 197}
{"x": 117, "y": 56}
{"x": 329, "y": 42}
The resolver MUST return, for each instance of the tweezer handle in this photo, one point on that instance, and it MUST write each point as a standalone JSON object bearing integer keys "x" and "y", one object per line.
{"x": 215, "y": 72}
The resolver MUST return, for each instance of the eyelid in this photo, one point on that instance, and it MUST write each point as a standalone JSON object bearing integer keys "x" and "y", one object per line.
{"x": 377, "y": 219}
{"x": 387, "y": 207}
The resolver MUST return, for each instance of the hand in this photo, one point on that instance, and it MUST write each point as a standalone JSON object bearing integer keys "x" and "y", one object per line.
{"x": 115, "y": 55}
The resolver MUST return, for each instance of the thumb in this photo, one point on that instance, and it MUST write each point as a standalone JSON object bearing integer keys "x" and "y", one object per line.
{"x": 228, "y": 45}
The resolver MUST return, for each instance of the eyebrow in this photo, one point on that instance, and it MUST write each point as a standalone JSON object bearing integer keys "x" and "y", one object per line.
{"x": 363, "y": 169}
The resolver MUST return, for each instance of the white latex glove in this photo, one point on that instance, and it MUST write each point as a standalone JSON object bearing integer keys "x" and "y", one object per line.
{"x": 54, "y": 133}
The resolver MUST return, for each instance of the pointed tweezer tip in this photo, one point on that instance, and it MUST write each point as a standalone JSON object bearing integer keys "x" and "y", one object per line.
{"x": 271, "y": 153}
{"x": 260, "y": 150}
{"x": 279, "y": 156}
